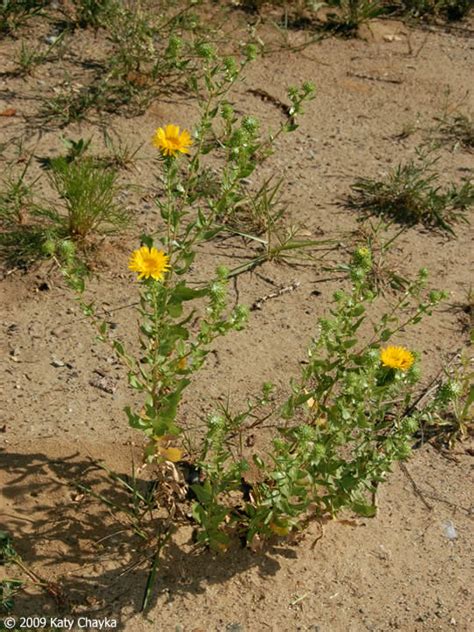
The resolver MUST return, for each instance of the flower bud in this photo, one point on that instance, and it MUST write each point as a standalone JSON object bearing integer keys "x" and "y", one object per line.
{"x": 305, "y": 433}
{"x": 250, "y": 124}
{"x": 227, "y": 112}
{"x": 409, "y": 425}
{"x": 251, "y": 52}
{"x": 49, "y": 247}
{"x": 241, "y": 314}
{"x": 449, "y": 391}
{"x": 217, "y": 290}
{"x": 319, "y": 451}
{"x": 230, "y": 65}
{"x": 67, "y": 249}
{"x": 363, "y": 257}
{"x": 215, "y": 421}
{"x": 238, "y": 138}
{"x": 309, "y": 88}
{"x": 204, "y": 50}
{"x": 222, "y": 272}
{"x": 435, "y": 296}
{"x": 357, "y": 274}
{"x": 174, "y": 45}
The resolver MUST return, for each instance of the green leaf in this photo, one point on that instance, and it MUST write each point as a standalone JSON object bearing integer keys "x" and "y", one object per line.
{"x": 146, "y": 240}
{"x": 118, "y": 347}
{"x": 203, "y": 493}
{"x": 364, "y": 509}
{"x": 258, "y": 462}
{"x": 103, "y": 328}
{"x": 135, "y": 382}
{"x": 347, "y": 344}
{"x": 168, "y": 409}
{"x": 134, "y": 420}
{"x": 174, "y": 309}
{"x": 184, "y": 293}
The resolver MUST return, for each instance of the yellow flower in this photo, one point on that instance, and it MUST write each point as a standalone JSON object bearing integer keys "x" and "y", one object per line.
{"x": 166, "y": 450}
{"x": 170, "y": 141}
{"x": 149, "y": 262}
{"x": 171, "y": 454}
{"x": 397, "y": 358}
{"x": 278, "y": 529}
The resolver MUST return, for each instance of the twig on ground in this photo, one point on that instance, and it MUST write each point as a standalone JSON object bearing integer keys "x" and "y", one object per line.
{"x": 258, "y": 304}
{"x": 360, "y": 75}
{"x": 416, "y": 489}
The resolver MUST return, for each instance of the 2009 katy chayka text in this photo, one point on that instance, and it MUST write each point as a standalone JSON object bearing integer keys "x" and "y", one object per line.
{"x": 83, "y": 623}
{"x": 68, "y": 623}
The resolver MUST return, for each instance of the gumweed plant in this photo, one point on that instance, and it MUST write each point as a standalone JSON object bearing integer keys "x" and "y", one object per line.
{"x": 170, "y": 351}
{"x": 344, "y": 421}
{"x": 348, "y": 418}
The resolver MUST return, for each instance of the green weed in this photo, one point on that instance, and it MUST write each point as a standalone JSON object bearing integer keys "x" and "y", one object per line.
{"x": 383, "y": 274}
{"x": 92, "y": 13}
{"x": 16, "y": 13}
{"x": 342, "y": 425}
{"x": 8, "y": 587}
{"x": 449, "y": 416}
{"x": 336, "y": 435}
{"x": 449, "y": 9}
{"x": 410, "y": 194}
{"x": 72, "y": 104}
{"x": 458, "y": 130}
{"x": 20, "y": 243}
{"x": 29, "y": 58}
{"x": 149, "y": 56}
{"x": 88, "y": 191}
{"x": 85, "y": 206}
{"x": 350, "y": 14}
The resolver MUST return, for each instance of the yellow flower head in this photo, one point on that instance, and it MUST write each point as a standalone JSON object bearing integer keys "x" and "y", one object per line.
{"x": 170, "y": 141}
{"x": 397, "y": 358}
{"x": 279, "y": 529}
{"x": 149, "y": 262}
{"x": 165, "y": 449}
{"x": 170, "y": 454}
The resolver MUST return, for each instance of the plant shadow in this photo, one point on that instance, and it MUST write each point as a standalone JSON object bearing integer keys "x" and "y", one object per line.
{"x": 83, "y": 554}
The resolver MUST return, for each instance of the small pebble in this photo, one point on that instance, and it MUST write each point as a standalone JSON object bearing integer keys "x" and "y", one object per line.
{"x": 449, "y": 530}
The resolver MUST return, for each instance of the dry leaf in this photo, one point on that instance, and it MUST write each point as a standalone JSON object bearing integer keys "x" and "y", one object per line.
{"x": 8, "y": 112}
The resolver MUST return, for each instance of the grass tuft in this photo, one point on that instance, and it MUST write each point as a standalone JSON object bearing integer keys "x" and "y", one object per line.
{"x": 411, "y": 194}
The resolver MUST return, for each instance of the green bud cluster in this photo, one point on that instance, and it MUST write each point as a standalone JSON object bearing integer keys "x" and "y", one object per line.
{"x": 175, "y": 44}
{"x": 250, "y": 124}
{"x": 49, "y": 247}
{"x": 227, "y": 112}
{"x": 363, "y": 258}
{"x": 409, "y": 425}
{"x": 205, "y": 50}
{"x": 251, "y": 52}
{"x": 306, "y": 433}
{"x": 449, "y": 391}
{"x": 230, "y": 66}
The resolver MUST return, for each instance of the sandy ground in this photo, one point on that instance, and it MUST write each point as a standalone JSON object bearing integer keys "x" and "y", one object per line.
{"x": 398, "y": 571}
